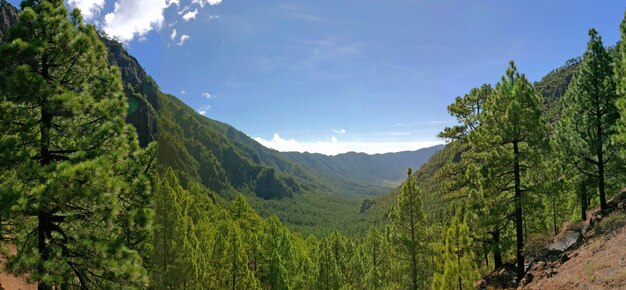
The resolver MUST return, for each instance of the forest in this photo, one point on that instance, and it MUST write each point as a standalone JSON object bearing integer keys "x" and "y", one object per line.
{"x": 107, "y": 183}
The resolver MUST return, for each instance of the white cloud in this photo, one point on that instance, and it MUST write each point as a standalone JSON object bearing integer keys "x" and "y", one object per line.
{"x": 335, "y": 146}
{"x": 183, "y": 10}
{"x": 204, "y": 110}
{"x": 207, "y": 95}
{"x": 210, "y": 2}
{"x": 182, "y": 92}
{"x": 183, "y": 38}
{"x": 133, "y": 19}
{"x": 211, "y": 17}
{"x": 190, "y": 15}
{"x": 173, "y": 36}
{"x": 340, "y": 131}
{"x": 88, "y": 8}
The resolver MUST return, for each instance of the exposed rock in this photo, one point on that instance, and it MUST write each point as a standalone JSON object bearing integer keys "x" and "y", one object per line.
{"x": 539, "y": 266}
{"x": 141, "y": 90}
{"x": 8, "y": 18}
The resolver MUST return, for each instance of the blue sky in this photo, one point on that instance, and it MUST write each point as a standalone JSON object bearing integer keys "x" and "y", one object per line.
{"x": 335, "y": 76}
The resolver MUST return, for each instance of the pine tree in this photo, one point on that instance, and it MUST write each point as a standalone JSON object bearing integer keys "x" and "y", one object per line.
{"x": 277, "y": 250}
{"x": 461, "y": 179}
{"x": 590, "y": 115}
{"x": 466, "y": 110}
{"x": 409, "y": 239}
{"x": 511, "y": 138}
{"x": 277, "y": 276}
{"x": 620, "y": 82}
{"x": 66, "y": 142}
{"x": 303, "y": 276}
{"x": 376, "y": 252}
{"x": 230, "y": 263}
{"x": 175, "y": 237}
{"x": 165, "y": 230}
{"x": 329, "y": 275}
{"x": 456, "y": 260}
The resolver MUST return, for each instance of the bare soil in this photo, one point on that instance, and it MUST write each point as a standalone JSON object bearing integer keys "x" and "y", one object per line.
{"x": 12, "y": 282}
{"x": 599, "y": 264}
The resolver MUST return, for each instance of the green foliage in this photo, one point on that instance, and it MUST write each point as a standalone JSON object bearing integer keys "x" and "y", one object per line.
{"x": 376, "y": 251}
{"x": 587, "y": 126}
{"x": 620, "y": 83}
{"x": 456, "y": 260}
{"x": 409, "y": 236}
{"x": 229, "y": 163}
{"x": 71, "y": 166}
{"x": 92, "y": 184}
{"x": 466, "y": 110}
{"x": 554, "y": 85}
{"x": 363, "y": 169}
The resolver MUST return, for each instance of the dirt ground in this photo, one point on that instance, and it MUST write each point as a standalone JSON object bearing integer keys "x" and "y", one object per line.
{"x": 599, "y": 264}
{"x": 11, "y": 282}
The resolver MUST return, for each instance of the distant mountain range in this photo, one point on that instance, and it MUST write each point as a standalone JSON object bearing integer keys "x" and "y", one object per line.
{"x": 387, "y": 169}
{"x": 309, "y": 192}
{"x": 322, "y": 190}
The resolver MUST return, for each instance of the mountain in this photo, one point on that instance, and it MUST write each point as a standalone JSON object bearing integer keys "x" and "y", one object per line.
{"x": 8, "y": 16}
{"x": 387, "y": 169}
{"x": 311, "y": 199}
{"x": 552, "y": 86}
{"x": 591, "y": 254}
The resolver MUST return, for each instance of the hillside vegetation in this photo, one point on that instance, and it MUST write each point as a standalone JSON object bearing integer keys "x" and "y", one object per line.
{"x": 180, "y": 201}
{"x": 309, "y": 198}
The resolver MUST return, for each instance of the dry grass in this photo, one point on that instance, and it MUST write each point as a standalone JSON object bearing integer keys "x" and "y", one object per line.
{"x": 599, "y": 264}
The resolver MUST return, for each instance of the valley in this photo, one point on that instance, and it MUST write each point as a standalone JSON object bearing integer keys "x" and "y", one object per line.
{"x": 130, "y": 187}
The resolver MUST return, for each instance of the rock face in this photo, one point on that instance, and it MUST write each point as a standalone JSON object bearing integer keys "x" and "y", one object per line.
{"x": 220, "y": 157}
{"x": 8, "y": 17}
{"x": 141, "y": 90}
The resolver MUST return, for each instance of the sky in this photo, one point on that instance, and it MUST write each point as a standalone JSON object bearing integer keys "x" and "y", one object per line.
{"x": 332, "y": 76}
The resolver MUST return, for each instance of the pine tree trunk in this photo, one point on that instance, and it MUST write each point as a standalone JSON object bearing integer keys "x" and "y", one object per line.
{"x": 518, "y": 214}
{"x": 601, "y": 179}
{"x": 458, "y": 261}
{"x": 583, "y": 202}
{"x": 600, "y": 155}
{"x": 486, "y": 254}
{"x": 413, "y": 253}
{"x": 556, "y": 230}
{"x": 497, "y": 252}
{"x": 44, "y": 255}
{"x": 234, "y": 274}
{"x": 43, "y": 230}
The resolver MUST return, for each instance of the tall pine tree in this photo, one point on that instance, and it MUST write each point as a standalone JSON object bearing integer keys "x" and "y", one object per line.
{"x": 65, "y": 139}
{"x": 456, "y": 261}
{"x": 620, "y": 80}
{"x": 589, "y": 117}
{"x": 511, "y": 138}
{"x": 409, "y": 237}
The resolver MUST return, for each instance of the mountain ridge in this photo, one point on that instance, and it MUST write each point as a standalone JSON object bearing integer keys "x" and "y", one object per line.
{"x": 225, "y": 160}
{"x": 386, "y": 169}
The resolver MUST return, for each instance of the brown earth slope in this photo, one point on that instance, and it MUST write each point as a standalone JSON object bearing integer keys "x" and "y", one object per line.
{"x": 12, "y": 282}
{"x": 597, "y": 260}
{"x": 599, "y": 264}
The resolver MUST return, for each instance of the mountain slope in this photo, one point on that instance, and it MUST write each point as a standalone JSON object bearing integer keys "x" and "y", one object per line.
{"x": 379, "y": 169}
{"x": 226, "y": 160}
{"x": 599, "y": 262}
{"x": 552, "y": 87}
